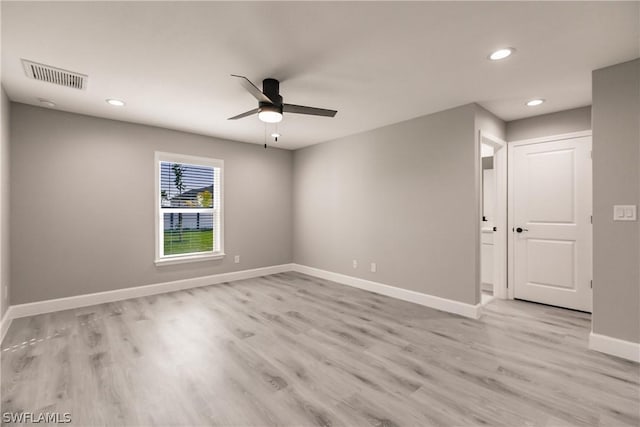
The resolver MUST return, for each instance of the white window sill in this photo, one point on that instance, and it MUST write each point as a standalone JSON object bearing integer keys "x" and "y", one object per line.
{"x": 189, "y": 258}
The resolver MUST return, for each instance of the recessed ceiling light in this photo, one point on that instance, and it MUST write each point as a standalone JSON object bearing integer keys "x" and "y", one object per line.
{"x": 115, "y": 102}
{"x": 501, "y": 53}
{"x": 46, "y": 103}
{"x": 534, "y": 102}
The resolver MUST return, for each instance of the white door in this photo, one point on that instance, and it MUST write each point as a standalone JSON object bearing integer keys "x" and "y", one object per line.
{"x": 552, "y": 222}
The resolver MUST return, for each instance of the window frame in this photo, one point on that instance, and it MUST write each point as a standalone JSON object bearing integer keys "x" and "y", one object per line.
{"x": 218, "y": 210}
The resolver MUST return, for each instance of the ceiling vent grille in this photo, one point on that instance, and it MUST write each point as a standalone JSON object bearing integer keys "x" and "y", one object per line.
{"x": 47, "y": 73}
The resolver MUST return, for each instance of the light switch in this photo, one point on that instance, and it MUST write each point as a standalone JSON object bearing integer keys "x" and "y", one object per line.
{"x": 624, "y": 213}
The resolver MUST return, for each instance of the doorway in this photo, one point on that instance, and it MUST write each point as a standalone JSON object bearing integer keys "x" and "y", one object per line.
{"x": 493, "y": 212}
{"x": 550, "y": 207}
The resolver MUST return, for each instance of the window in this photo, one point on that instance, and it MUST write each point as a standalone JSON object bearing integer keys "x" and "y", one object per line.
{"x": 188, "y": 208}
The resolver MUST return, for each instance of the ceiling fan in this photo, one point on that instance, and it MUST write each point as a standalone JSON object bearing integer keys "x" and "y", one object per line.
{"x": 270, "y": 105}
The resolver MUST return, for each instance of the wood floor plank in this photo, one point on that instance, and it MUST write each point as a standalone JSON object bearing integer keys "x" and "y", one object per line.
{"x": 295, "y": 350}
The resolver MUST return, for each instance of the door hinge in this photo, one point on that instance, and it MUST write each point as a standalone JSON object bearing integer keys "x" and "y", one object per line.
{"x": 591, "y": 219}
{"x": 591, "y": 283}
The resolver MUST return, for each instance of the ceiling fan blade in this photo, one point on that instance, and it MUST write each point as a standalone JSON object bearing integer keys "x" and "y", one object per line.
{"x": 248, "y": 113}
{"x": 253, "y": 90}
{"x": 301, "y": 109}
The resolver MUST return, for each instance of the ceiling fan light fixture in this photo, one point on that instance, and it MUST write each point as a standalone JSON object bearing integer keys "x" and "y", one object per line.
{"x": 270, "y": 114}
{"x": 271, "y": 105}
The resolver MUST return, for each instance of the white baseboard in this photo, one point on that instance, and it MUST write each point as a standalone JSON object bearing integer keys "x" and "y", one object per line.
{"x": 443, "y": 304}
{"x": 602, "y": 343}
{"x": 615, "y": 347}
{"x": 48, "y": 306}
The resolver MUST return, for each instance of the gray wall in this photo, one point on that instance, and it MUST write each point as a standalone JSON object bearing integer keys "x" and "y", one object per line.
{"x": 489, "y": 124}
{"x": 82, "y": 204}
{"x": 558, "y": 123}
{"x": 4, "y": 201}
{"x": 403, "y": 196}
{"x": 616, "y": 180}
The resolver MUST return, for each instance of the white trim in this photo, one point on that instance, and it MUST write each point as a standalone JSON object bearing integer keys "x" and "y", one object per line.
{"x": 550, "y": 138}
{"x": 217, "y": 210}
{"x": 511, "y": 281}
{"x": 615, "y": 347}
{"x": 486, "y": 299}
{"x": 164, "y": 156}
{"x": 5, "y": 323}
{"x": 500, "y": 221}
{"x": 48, "y": 306}
{"x": 443, "y": 304}
{"x": 180, "y": 259}
{"x": 494, "y": 139}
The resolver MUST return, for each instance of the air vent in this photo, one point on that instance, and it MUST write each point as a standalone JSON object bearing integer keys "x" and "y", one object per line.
{"x": 47, "y": 73}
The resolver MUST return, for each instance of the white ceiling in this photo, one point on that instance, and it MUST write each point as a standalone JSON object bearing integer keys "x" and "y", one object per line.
{"x": 377, "y": 63}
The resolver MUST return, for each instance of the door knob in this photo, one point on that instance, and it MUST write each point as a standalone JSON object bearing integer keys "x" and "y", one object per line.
{"x": 520, "y": 229}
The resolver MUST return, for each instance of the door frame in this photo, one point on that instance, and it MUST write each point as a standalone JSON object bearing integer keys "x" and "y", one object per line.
{"x": 500, "y": 213}
{"x": 510, "y": 239}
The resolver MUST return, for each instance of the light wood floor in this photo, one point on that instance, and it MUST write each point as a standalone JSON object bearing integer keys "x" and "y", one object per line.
{"x": 292, "y": 350}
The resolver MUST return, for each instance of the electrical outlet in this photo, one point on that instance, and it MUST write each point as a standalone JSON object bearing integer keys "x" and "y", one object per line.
{"x": 355, "y": 263}
{"x": 236, "y": 259}
{"x": 374, "y": 267}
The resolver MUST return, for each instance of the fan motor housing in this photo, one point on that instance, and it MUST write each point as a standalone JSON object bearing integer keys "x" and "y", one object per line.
{"x": 271, "y": 88}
